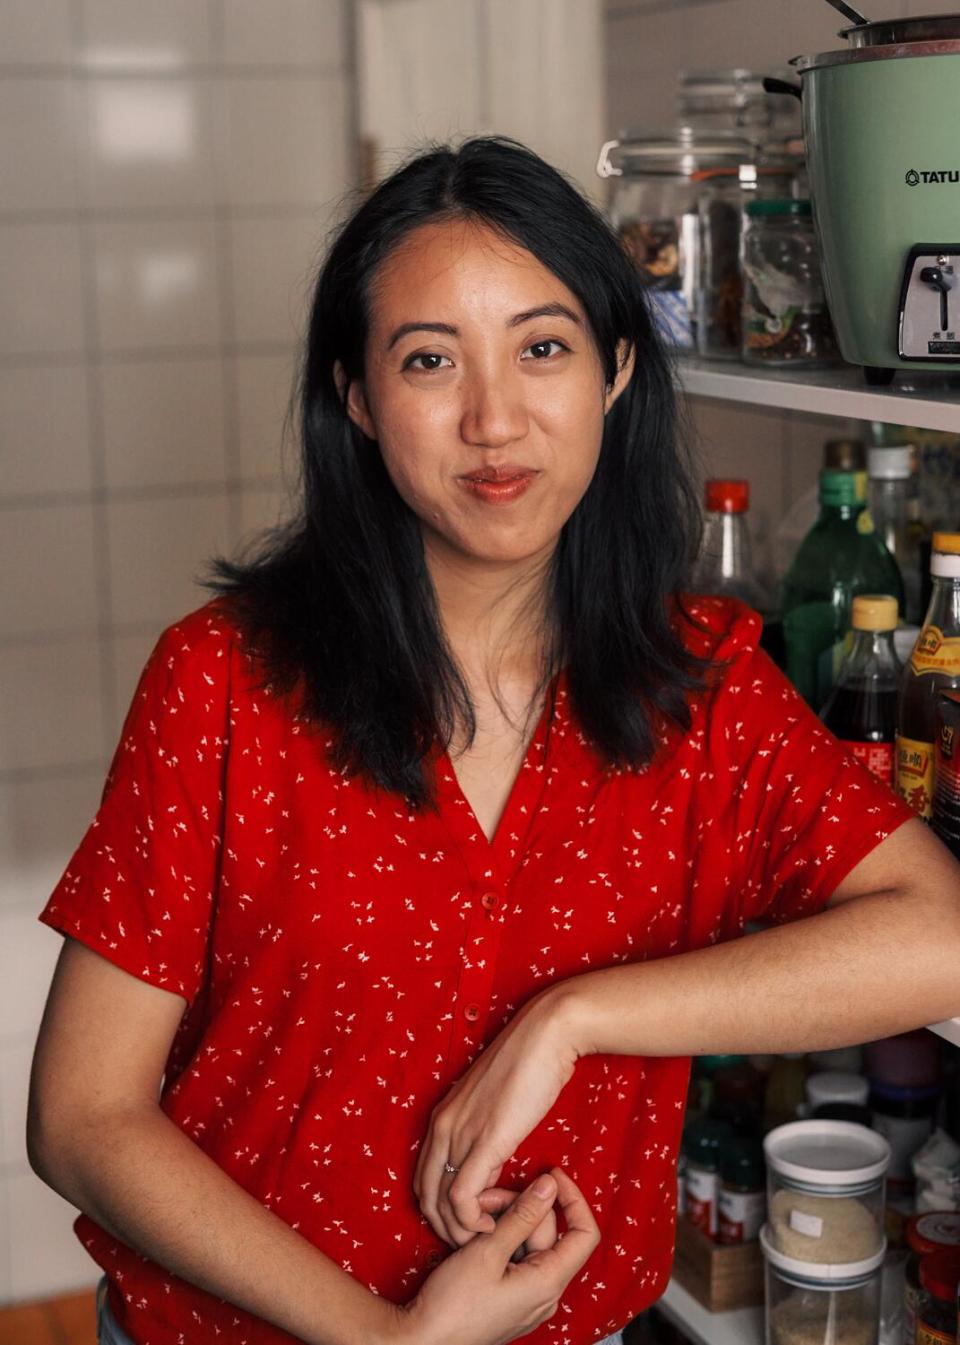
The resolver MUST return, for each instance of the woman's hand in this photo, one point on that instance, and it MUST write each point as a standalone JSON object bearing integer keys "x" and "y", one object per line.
{"x": 480, "y": 1296}
{"x": 488, "y": 1113}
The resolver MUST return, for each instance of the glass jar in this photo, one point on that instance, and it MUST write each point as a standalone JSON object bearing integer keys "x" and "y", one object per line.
{"x": 937, "y": 1306}
{"x": 677, "y": 202}
{"x": 835, "y": 1304}
{"x": 825, "y": 1191}
{"x": 926, "y": 1233}
{"x": 785, "y": 319}
{"x": 736, "y": 100}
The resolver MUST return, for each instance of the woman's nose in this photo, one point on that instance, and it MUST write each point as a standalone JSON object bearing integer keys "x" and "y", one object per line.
{"x": 493, "y": 412}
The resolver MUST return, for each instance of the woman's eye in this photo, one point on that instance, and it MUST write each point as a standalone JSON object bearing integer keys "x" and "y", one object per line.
{"x": 541, "y": 349}
{"x": 431, "y": 365}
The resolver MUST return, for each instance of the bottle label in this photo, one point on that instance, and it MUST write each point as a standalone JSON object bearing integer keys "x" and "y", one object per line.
{"x": 915, "y": 774}
{"x": 933, "y": 653}
{"x": 877, "y": 757}
{"x": 927, "y": 1335}
{"x": 702, "y": 1200}
{"x": 740, "y": 1216}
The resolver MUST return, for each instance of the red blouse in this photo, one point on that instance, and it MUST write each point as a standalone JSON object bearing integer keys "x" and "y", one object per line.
{"x": 344, "y": 960}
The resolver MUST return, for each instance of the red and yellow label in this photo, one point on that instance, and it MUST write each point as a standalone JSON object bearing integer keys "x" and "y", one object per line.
{"x": 933, "y": 653}
{"x": 926, "y": 1335}
{"x": 915, "y": 762}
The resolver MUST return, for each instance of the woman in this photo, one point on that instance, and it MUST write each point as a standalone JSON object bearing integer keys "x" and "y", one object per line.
{"x": 420, "y": 863}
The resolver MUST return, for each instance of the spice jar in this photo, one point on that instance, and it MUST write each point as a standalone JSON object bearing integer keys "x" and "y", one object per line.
{"x": 702, "y": 1145}
{"x": 926, "y": 1233}
{"x": 785, "y": 318}
{"x": 937, "y": 1308}
{"x": 742, "y": 1201}
{"x": 905, "y": 1117}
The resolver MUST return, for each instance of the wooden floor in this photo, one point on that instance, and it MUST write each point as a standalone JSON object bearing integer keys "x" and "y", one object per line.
{"x": 58, "y": 1321}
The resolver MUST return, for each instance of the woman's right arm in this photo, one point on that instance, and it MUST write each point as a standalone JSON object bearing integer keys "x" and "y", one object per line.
{"x": 97, "y": 1135}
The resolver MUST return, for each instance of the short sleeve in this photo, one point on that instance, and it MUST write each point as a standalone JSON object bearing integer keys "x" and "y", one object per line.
{"x": 140, "y": 889}
{"x": 803, "y": 812}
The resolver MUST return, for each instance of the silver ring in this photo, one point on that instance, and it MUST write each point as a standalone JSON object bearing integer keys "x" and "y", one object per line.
{"x": 448, "y": 1167}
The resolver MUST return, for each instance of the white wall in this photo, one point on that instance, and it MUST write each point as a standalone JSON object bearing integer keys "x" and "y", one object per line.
{"x": 647, "y": 43}
{"x": 167, "y": 172}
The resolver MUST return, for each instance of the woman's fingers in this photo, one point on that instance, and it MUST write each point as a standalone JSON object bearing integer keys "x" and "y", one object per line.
{"x": 582, "y": 1236}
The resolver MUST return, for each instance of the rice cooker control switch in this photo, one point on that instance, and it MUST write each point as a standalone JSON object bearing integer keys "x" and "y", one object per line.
{"x": 932, "y": 275}
{"x": 928, "y": 321}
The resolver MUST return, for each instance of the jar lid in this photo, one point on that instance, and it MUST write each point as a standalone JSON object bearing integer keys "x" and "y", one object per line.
{"x": 873, "y": 611}
{"x": 928, "y": 1232}
{"x": 827, "y": 1154}
{"x": 778, "y": 207}
{"x": 890, "y": 464}
{"x": 940, "y": 1273}
{"x": 893, "y": 1092}
{"x": 727, "y": 497}
{"x": 842, "y": 488}
{"x": 682, "y": 150}
{"x": 834, "y": 1085}
{"x": 820, "y": 1273}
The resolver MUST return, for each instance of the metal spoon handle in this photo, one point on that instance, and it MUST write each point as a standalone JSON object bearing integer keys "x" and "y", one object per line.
{"x": 848, "y": 11}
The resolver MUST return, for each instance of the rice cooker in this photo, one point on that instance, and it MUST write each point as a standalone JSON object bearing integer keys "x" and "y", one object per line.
{"x": 881, "y": 121}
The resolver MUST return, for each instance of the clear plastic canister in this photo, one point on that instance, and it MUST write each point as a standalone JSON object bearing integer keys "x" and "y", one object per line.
{"x": 836, "y": 1304}
{"x": 825, "y": 1191}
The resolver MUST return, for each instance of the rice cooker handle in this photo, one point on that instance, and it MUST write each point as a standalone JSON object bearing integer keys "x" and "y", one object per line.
{"x": 932, "y": 275}
{"x": 771, "y": 85}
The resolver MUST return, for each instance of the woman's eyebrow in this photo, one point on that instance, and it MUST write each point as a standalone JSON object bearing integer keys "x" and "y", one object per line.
{"x": 555, "y": 310}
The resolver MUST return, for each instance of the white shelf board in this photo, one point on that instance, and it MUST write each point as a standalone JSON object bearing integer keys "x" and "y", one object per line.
{"x": 826, "y": 392}
{"x": 950, "y": 1029}
{"x": 744, "y": 1327}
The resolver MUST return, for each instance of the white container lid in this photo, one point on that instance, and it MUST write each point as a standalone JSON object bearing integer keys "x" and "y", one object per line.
{"x": 824, "y": 1273}
{"x": 889, "y": 464}
{"x": 827, "y": 1153}
{"x": 834, "y": 1086}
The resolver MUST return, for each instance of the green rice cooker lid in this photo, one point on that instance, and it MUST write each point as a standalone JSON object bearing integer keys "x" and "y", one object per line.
{"x": 775, "y": 207}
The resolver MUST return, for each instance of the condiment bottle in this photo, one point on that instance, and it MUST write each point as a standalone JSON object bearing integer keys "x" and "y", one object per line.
{"x": 742, "y": 1202}
{"x": 702, "y": 1144}
{"x": 926, "y": 1233}
{"x": 934, "y": 666}
{"x": 862, "y": 707}
{"x": 725, "y": 567}
{"x": 946, "y": 786}
{"x": 895, "y": 506}
{"x": 937, "y": 1308}
{"x": 786, "y": 1089}
{"x": 839, "y": 558}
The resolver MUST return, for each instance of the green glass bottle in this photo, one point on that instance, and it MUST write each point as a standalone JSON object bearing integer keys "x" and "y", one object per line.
{"x": 840, "y": 557}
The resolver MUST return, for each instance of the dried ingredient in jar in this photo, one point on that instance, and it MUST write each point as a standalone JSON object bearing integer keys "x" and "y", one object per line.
{"x": 812, "y": 1318}
{"x": 655, "y": 249}
{"x": 722, "y": 287}
{"x": 823, "y": 1229}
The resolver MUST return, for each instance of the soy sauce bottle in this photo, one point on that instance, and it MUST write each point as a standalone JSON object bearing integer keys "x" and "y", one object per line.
{"x": 861, "y": 710}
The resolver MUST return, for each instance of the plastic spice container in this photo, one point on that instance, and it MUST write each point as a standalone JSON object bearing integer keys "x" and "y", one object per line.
{"x": 905, "y": 1116}
{"x": 785, "y": 318}
{"x": 742, "y": 1202}
{"x": 831, "y": 1086}
{"x": 937, "y": 1308}
{"x": 830, "y": 1304}
{"x": 926, "y": 1233}
{"x": 702, "y": 1145}
{"x": 825, "y": 1191}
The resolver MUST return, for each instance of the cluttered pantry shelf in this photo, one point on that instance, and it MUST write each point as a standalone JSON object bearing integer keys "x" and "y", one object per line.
{"x": 826, "y": 392}
{"x": 743, "y": 1327}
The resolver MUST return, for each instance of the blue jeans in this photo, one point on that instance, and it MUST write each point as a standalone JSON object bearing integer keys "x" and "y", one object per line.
{"x": 108, "y": 1333}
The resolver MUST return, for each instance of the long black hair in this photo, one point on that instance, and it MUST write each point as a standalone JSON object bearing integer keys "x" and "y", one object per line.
{"x": 339, "y": 604}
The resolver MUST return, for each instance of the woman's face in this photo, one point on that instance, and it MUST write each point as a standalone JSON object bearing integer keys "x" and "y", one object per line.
{"x": 480, "y": 361}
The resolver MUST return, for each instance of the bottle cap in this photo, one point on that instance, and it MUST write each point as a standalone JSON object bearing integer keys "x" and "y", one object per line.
{"x": 890, "y": 464}
{"x": 948, "y": 542}
{"x": 728, "y": 497}
{"x": 928, "y": 1232}
{"x": 842, "y": 488}
{"x": 845, "y": 455}
{"x": 940, "y": 1273}
{"x": 874, "y": 612}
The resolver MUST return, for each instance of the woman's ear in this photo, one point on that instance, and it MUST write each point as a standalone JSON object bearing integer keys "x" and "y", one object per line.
{"x": 625, "y": 362}
{"x": 352, "y": 396}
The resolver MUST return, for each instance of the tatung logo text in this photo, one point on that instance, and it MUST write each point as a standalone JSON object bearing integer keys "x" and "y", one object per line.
{"x": 932, "y": 175}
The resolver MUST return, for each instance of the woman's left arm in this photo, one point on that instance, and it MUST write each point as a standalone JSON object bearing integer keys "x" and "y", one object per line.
{"x": 883, "y": 957}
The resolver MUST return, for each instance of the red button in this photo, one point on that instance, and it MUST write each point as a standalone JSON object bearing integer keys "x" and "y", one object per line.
{"x": 472, "y": 1011}
{"x": 489, "y": 901}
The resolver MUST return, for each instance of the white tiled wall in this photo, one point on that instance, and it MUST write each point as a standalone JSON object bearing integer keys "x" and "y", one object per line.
{"x": 647, "y": 43}
{"x": 168, "y": 172}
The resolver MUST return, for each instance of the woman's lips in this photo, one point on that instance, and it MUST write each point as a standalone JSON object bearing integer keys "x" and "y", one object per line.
{"x": 502, "y": 490}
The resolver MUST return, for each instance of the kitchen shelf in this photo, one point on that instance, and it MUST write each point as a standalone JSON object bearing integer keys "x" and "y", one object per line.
{"x": 949, "y": 1029}
{"x": 744, "y": 1327}
{"x": 826, "y": 392}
